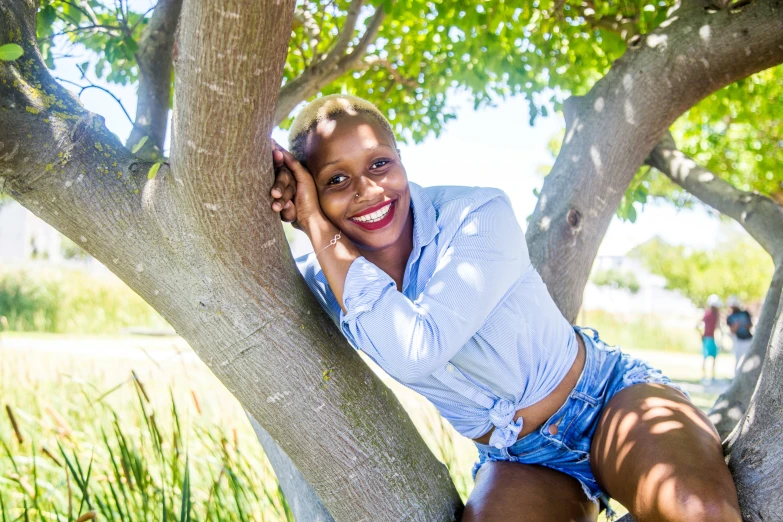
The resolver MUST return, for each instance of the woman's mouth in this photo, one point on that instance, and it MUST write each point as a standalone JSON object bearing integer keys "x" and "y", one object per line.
{"x": 376, "y": 217}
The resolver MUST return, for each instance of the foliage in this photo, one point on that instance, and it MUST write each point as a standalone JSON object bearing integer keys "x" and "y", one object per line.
{"x": 69, "y": 300}
{"x": 73, "y": 453}
{"x": 616, "y": 279}
{"x": 10, "y": 52}
{"x": 737, "y": 133}
{"x": 738, "y": 266}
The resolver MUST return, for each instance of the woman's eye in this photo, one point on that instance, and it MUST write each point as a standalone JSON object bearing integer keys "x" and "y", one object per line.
{"x": 380, "y": 163}
{"x": 336, "y": 179}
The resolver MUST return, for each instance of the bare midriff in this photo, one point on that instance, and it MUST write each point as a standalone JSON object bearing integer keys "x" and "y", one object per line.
{"x": 535, "y": 415}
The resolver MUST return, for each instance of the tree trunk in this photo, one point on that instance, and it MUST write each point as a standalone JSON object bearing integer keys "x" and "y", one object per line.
{"x": 300, "y": 495}
{"x": 612, "y": 129}
{"x": 755, "y": 455}
{"x": 762, "y": 218}
{"x": 155, "y": 67}
{"x": 201, "y": 245}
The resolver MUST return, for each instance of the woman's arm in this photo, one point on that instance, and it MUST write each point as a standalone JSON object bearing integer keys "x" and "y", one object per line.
{"x": 412, "y": 339}
{"x": 334, "y": 253}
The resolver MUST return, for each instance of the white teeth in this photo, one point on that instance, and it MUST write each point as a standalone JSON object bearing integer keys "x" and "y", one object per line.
{"x": 375, "y": 216}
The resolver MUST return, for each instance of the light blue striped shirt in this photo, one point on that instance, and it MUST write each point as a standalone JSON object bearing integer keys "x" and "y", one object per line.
{"x": 474, "y": 329}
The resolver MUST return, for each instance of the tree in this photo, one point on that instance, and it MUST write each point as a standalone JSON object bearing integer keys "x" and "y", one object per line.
{"x": 207, "y": 253}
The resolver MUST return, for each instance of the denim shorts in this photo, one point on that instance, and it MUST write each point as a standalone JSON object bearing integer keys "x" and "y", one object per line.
{"x": 606, "y": 371}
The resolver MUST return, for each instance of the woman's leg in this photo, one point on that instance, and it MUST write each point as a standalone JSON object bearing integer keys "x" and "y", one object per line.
{"x": 512, "y": 491}
{"x": 659, "y": 455}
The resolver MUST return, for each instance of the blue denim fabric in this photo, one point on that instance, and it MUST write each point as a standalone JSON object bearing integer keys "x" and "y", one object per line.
{"x": 607, "y": 371}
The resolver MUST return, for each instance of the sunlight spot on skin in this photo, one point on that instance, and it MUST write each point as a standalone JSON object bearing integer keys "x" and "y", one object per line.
{"x": 599, "y": 104}
{"x": 544, "y": 223}
{"x": 595, "y": 155}
{"x": 630, "y": 117}
{"x": 655, "y": 40}
{"x": 751, "y": 363}
{"x": 624, "y": 450}
{"x": 705, "y": 177}
{"x": 325, "y": 128}
{"x": 665, "y": 427}
{"x": 705, "y": 32}
{"x": 627, "y": 82}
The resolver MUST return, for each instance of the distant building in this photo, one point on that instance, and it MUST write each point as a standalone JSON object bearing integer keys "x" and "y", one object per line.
{"x": 25, "y": 237}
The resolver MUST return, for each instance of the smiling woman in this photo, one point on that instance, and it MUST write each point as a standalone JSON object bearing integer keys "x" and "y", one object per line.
{"x": 435, "y": 284}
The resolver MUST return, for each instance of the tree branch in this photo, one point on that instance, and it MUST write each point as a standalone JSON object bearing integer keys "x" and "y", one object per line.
{"x": 321, "y": 73}
{"x": 617, "y": 123}
{"x": 372, "y": 61}
{"x": 759, "y": 215}
{"x": 155, "y": 66}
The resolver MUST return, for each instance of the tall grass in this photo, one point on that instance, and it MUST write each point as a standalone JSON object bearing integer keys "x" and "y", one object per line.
{"x": 69, "y": 455}
{"x": 82, "y": 437}
{"x": 65, "y": 300}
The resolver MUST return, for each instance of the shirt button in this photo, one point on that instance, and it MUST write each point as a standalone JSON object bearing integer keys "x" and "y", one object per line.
{"x": 498, "y": 445}
{"x": 450, "y": 368}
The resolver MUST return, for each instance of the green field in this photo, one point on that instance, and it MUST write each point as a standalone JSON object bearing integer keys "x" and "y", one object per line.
{"x": 132, "y": 427}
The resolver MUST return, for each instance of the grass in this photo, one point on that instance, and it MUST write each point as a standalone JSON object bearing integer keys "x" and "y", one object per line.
{"x": 142, "y": 430}
{"x": 143, "y": 439}
{"x": 63, "y": 300}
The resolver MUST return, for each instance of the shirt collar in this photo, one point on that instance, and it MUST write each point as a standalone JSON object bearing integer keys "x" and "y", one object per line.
{"x": 425, "y": 226}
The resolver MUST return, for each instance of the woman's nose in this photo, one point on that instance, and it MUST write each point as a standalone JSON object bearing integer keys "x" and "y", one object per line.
{"x": 367, "y": 189}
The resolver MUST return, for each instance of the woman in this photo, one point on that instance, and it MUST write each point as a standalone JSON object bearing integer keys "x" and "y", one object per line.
{"x": 436, "y": 286}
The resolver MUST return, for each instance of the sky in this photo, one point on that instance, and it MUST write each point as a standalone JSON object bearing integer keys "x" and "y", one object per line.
{"x": 490, "y": 147}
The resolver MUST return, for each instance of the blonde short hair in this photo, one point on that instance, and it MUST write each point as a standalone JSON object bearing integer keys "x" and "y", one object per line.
{"x": 328, "y": 108}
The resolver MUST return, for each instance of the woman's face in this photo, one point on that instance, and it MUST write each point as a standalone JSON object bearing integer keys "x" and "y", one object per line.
{"x": 362, "y": 185}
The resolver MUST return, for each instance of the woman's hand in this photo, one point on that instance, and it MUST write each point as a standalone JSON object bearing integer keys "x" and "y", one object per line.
{"x": 284, "y": 187}
{"x": 296, "y": 197}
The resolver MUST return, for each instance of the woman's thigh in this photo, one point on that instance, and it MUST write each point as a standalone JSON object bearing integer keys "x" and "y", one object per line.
{"x": 509, "y": 491}
{"x": 660, "y": 456}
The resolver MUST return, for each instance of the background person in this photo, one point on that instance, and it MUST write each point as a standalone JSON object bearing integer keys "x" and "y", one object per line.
{"x": 740, "y": 324}
{"x": 709, "y": 347}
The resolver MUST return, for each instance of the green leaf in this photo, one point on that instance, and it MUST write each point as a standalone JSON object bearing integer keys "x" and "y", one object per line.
{"x": 139, "y": 145}
{"x": 631, "y": 214}
{"x": 154, "y": 170}
{"x": 10, "y": 52}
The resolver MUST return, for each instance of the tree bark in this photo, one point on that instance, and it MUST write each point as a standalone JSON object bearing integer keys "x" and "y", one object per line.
{"x": 762, "y": 218}
{"x": 300, "y": 495}
{"x": 154, "y": 58}
{"x": 755, "y": 455}
{"x": 612, "y": 129}
{"x": 201, "y": 245}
